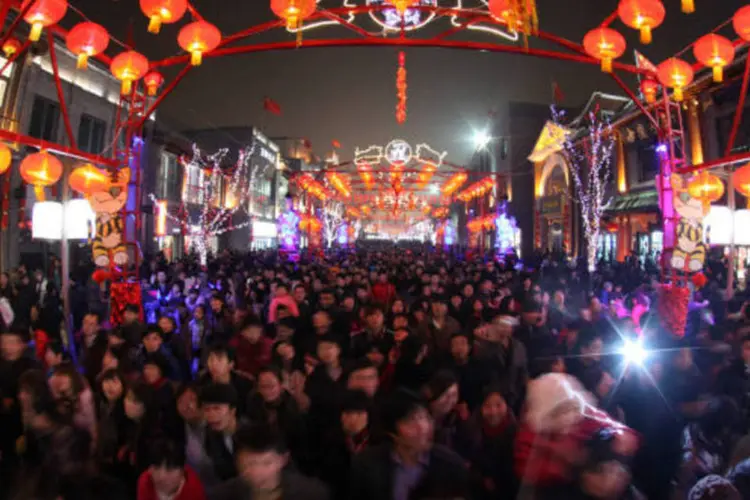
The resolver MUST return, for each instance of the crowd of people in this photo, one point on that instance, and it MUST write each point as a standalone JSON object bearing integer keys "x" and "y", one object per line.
{"x": 374, "y": 375}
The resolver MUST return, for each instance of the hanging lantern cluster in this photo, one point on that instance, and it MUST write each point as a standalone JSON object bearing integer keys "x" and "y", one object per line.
{"x": 353, "y": 212}
{"x": 741, "y": 180}
{"x": 452, "y": 184}
{"x": 162, "y": 12}
{"x": 87, "y": 40}
{"x": 43, "y": 13}
{"x": 340, "y": 183}
{"x": 129, "y": 67}
{"x": 676, "y": 74}
{"x": 604, "y": 44}
{"x": 310, "y": 185}
{"x": 294, "y": 12}
{"x": 401, "y": 88}
{"x": 481, "y": 223}
{"x": 440, "y": 212}
{"x": 425, "y": 175}
{"x": 643, "y": 15}
{"x": 706, "y": 187}
{"x": 365, "y": 173}
{"x": 310, "y": 223}
{"x": 41, "y": 170}
{"x": 476, "y": 190}
{"x": 88, "y": 179}
{"x": 11, "y": 47}
{"x": 714, "y": 51}
{"x": 199, "y": 38}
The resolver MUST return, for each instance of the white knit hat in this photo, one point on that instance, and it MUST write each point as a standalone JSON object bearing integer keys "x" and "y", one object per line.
{"x": 547, "y": 394}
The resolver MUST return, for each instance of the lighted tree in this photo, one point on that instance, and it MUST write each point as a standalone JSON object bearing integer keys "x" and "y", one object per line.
{"x": 332, "y": 216}
{"x": 222, "y": 195}
{"x": 590, "y": 159}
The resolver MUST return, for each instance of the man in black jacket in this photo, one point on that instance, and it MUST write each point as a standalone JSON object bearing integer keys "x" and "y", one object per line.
{"x": 263, "y": 473}
{"x": 410, "y": 466}
{"x": 219, "y": 404}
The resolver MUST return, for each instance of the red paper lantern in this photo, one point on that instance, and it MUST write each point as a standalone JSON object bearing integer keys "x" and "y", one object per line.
{"x": 129, "y": 67}
{"x": 41, "y": 169}
{"x": 153, "y": 80}
{"x": 604, "y": 44}
{"x": 11, "y": 47}
{"x": 199, "y": 38}
{"x": 741, "y": 23}
{"x": 643, "y": 15}
{"x": 88, "y": 179}
{"x": 86, "y": 40}
{"x": 162, "y": 12}
{"x": 649, "y": 88}
{"x": 43, "y": 13}
{"x": 741, "y": 178}
{"x": 714, "y": 51}
{"x": 6, "y": 157}
{"x": 294, "y": 12}
{"x": 677, "y": 74}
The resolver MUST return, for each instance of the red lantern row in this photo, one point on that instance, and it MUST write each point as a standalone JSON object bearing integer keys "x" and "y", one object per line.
{"x": 315, "y": 188}
{"x": 476, "y": 190}
{"x": 481, "y": 223}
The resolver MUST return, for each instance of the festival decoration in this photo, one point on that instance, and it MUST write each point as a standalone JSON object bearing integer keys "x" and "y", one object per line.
{"x": 741, "y": 23}
{"x": 365, "y": 173}
{"x": 123, "y": 294}
{"x": 688, "y": 6}
{"x": 714, "y": 51}
{"x": 689, "y": 252}
{"x": 366, "y": 210}
{"x": 423, "y": 178}
{"x": 672, "y": 308}
{"x": 649, "y": 88}
{"x": 153, "y": 80}
{"x": 440, "y": 212}
{"x": 353, "y": 212}
{"x": 402, "y": 5}
{"x": 479, "y": 224}
{"x": 107, "y": 202}
{"x": 741, "y": 179}
{"x": 11, "y": 47}
{"x": 340, "y": 183}
{"x": 332, "y": 216}
{"x": 520, "y": 15}
{"x": 643, "y": 15}
{"x": 307, "y": 183}
{"x": 401, "y": 88}
{"x": 706, "y": 187}
{"x": 288, "y": 229}
{"x": 41, "y": 170}
{"x": 452, "y": 184}
{"x": 591, "y": 171}
{"x": 476, "y": 190}
{"x": 41, "y": 14}
{"x": 215, "y": 219}
{"x": 88, "y": 179}
{"x": 506, "y": 233}
{"x": 604, "y": 44}
{"x": 6, "y": 157}
{"x": 87, "y": 40}
{"x": 162, "y": 12}
{"x": 199, "y": 38}
{"x": 129, "y": 67}
{"x": 294, "y": 12}
{"x": 677, "y": 74}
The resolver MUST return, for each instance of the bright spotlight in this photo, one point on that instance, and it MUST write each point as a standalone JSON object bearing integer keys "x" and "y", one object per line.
{"x": 481, "y": 139}
{"x": 634, "y": 352}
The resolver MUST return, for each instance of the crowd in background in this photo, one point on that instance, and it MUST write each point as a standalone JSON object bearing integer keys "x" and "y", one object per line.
{"x": 397, "y": 373}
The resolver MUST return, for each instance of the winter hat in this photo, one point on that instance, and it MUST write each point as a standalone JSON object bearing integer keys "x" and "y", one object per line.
{"x": 739, "y": 476}
{"x": 548, "y": 393}
{"x": 713, "y": 487}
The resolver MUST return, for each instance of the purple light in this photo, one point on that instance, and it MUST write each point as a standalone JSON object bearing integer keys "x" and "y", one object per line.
{"x": 661, "y": 149}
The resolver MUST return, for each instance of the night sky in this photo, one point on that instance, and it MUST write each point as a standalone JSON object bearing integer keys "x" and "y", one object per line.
{"x": 349, "y": 94}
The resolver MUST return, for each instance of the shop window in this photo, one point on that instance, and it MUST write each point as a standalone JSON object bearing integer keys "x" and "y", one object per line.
{"x": 169, "y": 180}
{"x": 45, "y": 115}
{"x": 193, "y": 184}
{"x": 91, "y": 132}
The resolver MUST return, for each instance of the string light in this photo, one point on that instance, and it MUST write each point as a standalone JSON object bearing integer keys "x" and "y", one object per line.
{"x": 590, "y": 165}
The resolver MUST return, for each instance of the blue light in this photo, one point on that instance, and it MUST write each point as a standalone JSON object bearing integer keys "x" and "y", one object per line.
{"x": 661, "y": 149}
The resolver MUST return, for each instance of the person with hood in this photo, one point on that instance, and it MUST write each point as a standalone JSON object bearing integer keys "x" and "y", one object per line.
{"x": 565, "y": 448}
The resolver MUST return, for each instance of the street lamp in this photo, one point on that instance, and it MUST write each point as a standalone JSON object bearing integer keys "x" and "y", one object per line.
{"x": 481, "y": 139}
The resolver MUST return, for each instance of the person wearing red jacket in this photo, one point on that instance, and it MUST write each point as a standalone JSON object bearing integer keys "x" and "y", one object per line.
{"x": 383, "y": 292}
{"x": 252, "y": 349}
{"x": 566, "y": 446}
{"x": 168, "y": 478}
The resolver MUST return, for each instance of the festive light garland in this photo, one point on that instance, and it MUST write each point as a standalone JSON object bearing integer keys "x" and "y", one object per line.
{"x": 590, "y": 165}
{"x": 452, "y": 184}
{"x": 315, "y": 188}
{"x": 476, "y": 190}
{"x": 214, "y": 221}
{"x": 401, "y": 88}
{"x": 340, "y": 183}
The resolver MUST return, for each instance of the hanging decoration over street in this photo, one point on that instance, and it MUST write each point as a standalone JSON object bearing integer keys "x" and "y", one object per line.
{"x": 107, "y": 200}
{"x": 308, "y": 184}
{"x": 401, "y": 88}
{"x": 476, "y": 190}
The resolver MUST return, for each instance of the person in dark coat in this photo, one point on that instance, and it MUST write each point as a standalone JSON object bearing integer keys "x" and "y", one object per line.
{"x": 350, "y": 438}
{"x": 262, "y": 462}
{"x": 220, "y": 363}
{"x": 219, "y": 404}
{"x": 472, "y": 373}
{"x": 410, "y": 466}
{"x": 324, "y": 387}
